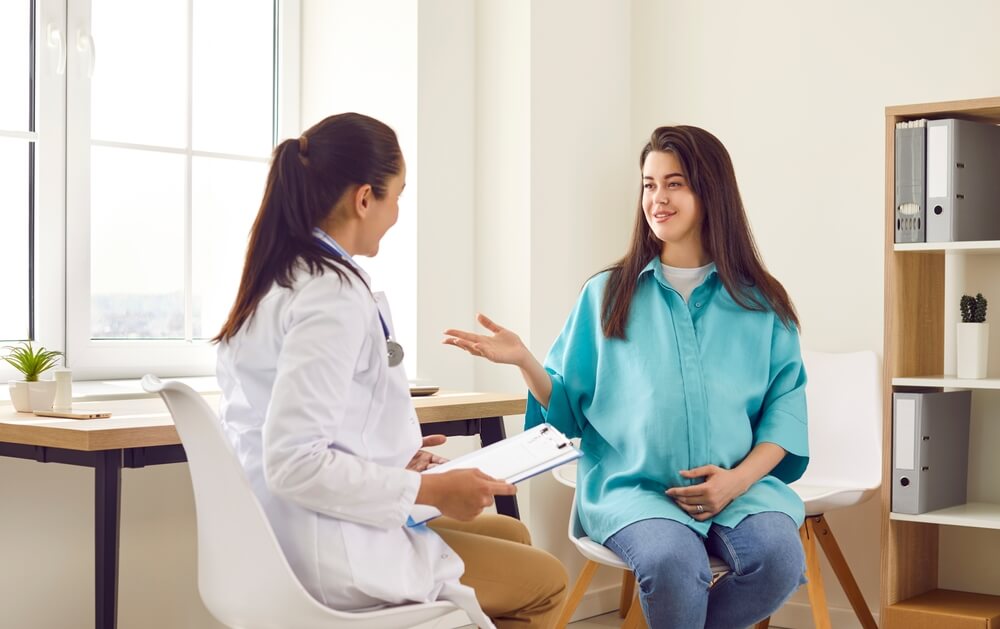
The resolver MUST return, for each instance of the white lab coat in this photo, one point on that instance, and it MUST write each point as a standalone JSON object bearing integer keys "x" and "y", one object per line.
{"x": 324, "y": 429}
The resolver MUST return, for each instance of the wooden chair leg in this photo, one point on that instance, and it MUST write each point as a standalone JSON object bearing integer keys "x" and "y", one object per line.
{"x": 817, "y": 595}
{"x": 764, "y": 624}
{"x": 828, "y": 542}
{"x": 628, "y": 589}
{"x": 634, "y": 619}
{"x": 579, "y": 589}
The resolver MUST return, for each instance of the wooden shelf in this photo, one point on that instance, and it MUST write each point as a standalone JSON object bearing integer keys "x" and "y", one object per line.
{"x": 980, "y": 515}
{"x": 947, "y": 381}
{"x": 915, "y": 343}
{"x": 970, "y": 247}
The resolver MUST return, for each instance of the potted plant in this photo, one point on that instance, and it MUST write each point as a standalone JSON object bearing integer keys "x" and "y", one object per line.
{"x": 31, "y": 393}
{"x": 973, "y": 338}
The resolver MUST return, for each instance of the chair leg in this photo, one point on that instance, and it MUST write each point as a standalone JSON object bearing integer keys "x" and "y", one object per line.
{"x": 828, "y": 542}
{"x": 764, "y": 624}
{"x": 634, "y": 619}
{"x": 579, "y": 589}
{"x": 817, "y": 595}
{"x": 628, "y": 589}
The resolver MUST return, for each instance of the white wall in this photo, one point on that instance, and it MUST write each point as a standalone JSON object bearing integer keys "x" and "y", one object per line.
{"x": 797, "y": 93}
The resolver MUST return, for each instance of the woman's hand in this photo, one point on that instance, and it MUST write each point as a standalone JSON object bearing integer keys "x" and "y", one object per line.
{"x": 502, "y": 347}
{"x": 423, "y": 460}
{"x": 461, "y": 494}
{"x": 708, "y": 498}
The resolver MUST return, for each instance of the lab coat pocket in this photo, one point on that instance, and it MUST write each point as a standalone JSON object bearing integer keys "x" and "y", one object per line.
{"x": 387, "y": 565}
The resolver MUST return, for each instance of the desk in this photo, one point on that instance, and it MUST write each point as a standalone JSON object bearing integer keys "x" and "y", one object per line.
{"x": 140, "y": 432}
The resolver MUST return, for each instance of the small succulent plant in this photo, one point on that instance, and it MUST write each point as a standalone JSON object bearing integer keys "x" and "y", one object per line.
{"x": 973, "y": 308}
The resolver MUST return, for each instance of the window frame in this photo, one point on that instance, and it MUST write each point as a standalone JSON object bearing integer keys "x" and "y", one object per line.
{"x": 46, "y": 268}
{"x": 126, "y": 358}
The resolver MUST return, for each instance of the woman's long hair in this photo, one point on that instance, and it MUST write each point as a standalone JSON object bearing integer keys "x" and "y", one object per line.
{"x": 308, "y": 177}
{"x": 725, "y": 233}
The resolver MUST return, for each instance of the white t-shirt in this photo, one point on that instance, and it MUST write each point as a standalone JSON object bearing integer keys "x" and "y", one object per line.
{"x": 685, "y": 281}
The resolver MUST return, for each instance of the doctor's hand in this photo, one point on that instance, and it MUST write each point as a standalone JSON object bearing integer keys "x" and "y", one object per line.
{"x": 461, "y": 494}
{"x": 708, "y": 498}
{"x": 502, "y": 347}
{"x": 423, "y": 459}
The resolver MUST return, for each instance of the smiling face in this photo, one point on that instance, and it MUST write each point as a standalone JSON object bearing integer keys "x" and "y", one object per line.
{"x": 673, "y": 211}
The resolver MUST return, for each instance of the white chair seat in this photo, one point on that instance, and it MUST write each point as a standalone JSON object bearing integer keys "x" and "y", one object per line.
{"x": 822, "y": 498}
{"x": 243, "y": 576}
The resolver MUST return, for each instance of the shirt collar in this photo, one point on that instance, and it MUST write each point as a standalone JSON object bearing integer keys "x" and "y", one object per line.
{"x": 656, "y": 268}
{"x": 328, "y": 239}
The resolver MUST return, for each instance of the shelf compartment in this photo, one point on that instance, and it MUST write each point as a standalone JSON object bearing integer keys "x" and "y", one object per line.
{"x": 951, "y": 382}
{"x": 971, "y": 246}
{"x": 979, "y": 515}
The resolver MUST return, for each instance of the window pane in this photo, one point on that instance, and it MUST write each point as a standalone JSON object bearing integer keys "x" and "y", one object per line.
{"x": 233, "y": 76}
{"x": 137, "y": 244}
{"x": 14, "y": 230}
{"x": 15, "y": 72}
{"x": 226, "y": 196}
{"x": 139, "y": 88}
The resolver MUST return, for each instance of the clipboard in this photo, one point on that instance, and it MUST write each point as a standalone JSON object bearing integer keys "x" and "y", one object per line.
{"x": 513, "y": 460}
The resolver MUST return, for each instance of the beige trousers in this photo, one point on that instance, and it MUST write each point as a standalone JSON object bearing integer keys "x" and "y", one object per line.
{"x": 517, "y": 585}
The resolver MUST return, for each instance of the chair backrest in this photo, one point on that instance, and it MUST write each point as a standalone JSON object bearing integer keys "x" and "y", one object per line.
{"x": 844, "y": 397}
{"x": 243, "y": 576}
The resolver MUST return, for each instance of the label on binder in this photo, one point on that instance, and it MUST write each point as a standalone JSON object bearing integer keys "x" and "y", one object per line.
{"x": 904, "y": 445}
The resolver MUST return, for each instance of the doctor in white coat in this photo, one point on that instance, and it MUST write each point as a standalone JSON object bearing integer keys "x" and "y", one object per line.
{"x": 316, "y": 403}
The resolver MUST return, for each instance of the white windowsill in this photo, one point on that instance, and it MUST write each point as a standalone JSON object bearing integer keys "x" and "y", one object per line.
{"x": 100, "y": 390}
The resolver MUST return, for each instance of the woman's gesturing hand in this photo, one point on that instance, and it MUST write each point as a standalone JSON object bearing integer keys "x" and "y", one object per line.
{"x": 502, "y": 347}
{"x": 461, "y": 494}
{"x": 708, "y": 498}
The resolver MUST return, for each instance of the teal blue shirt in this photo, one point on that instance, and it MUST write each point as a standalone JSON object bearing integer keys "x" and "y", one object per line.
{"x": 694, "y": 384}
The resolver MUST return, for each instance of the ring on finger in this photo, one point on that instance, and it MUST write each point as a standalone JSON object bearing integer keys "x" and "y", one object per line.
{"x": 701, "y": 509}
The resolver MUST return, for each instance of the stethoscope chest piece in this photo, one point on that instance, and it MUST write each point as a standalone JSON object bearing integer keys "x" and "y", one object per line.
{"x": 395, "y": 352}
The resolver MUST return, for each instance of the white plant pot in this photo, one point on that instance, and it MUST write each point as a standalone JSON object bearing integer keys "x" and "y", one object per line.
{"x": 32, "y": 396}
{"x": 972, "y": 350}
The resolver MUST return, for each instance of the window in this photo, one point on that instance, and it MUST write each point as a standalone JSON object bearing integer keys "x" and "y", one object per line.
{"x": 17, "y": 140}
{"x": 31, "y": 165}
{"x": 134, "y": 143}
{"x": 170, "y": 131}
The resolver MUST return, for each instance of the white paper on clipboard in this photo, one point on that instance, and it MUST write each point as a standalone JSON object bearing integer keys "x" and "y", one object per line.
{"x": 513, "y": 460}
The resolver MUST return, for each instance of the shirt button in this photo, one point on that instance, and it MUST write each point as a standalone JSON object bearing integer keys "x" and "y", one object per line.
{"x": 444, "y": 556}
{"x": 697, "y": 304}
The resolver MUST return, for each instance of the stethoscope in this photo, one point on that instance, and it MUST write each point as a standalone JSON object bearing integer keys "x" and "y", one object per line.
{"x": 393, "y": 349}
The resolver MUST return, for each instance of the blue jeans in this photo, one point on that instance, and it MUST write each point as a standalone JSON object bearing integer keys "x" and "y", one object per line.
{"x": 670, "y": 562}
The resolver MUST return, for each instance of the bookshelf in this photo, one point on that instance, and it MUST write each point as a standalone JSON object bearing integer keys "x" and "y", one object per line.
{"x": 918, "y": 344}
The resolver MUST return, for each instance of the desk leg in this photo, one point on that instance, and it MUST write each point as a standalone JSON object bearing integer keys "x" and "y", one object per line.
{"x": 107, "y": 515}
{"x": 491, "y": 431}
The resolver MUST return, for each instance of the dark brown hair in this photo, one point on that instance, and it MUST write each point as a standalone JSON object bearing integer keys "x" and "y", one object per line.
{"x": 725, "y": 233}
{"x": 308, "y": 177}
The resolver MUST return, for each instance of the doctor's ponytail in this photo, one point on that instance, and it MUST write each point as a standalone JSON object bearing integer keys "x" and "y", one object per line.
{"x": 308, "y": 177}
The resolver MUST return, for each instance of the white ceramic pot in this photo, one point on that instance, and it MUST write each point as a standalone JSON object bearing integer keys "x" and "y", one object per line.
{"x": 972, "y": 350}
{"x": 32, "y": 396}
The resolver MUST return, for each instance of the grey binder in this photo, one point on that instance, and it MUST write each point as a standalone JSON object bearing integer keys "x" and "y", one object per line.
{"x": 963, "y": 188}
{"x": 930, "y": 450}
{"x": 911, "y": 197}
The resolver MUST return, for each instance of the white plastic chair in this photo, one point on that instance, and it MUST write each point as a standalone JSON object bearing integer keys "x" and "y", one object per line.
{"x": 243, "y": 576}
{"x": 844, "y": 397}
{"x": 598, "y": 554}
